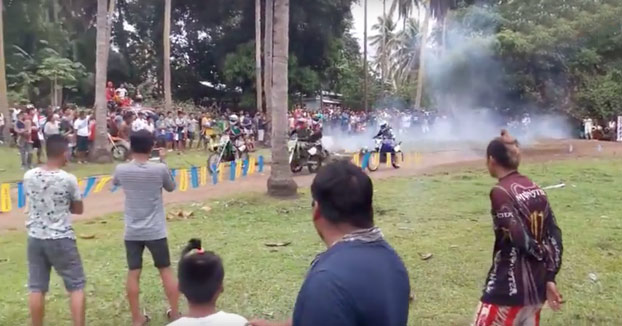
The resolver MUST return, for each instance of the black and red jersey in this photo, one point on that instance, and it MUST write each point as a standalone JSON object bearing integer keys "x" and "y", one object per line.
{"x": 528, "y": 243}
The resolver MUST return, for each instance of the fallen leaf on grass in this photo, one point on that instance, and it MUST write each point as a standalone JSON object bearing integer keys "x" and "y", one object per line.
{"x": 405, "y": 228}
{"x": 593, "y": 277}
{"x": 104, "y": 222}
{"x": 278, "y": 244}
{"x": 269, "y": 314}
{"x": 425, "y": 256}
{"x": 87, "y": 236}
{"x": 206, "y": 209}
{"x": 185, "y": 214}
{"x": 453, "y": 246}
{"x": 4, "y": 260}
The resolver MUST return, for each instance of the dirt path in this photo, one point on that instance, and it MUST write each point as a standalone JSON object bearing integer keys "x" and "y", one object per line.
{"x": 106, "y": 202}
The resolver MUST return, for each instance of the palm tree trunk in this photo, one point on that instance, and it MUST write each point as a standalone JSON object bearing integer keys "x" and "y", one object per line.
{"x": 267, "y": 80}
{"x": 4, "y": 100}
{"x": 366, "y": 82}
{"x": 100, "y": 152}
{"x": 280, "y": 182}
{"x": 268, "y": 47}
{"x": 168, "y": 97}
{"x": 111, "y": 9}
{"x": 383, "y": 70}
{"x": 258, "y": 55}
{"x": 423, "y": 44}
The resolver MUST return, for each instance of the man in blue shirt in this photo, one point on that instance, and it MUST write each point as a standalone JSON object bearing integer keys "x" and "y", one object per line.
{"x": 359, "y": 280}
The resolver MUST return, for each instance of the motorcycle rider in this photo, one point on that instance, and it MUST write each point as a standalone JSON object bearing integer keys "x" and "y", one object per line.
{"x": 234, "y": 131}
{"x": 316, "y": 128}
{"x": 385, "y": 132}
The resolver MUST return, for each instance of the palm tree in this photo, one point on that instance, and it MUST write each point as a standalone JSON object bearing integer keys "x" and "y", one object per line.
{"x": 435, "y": 8}
{"x": 258, "y": 53}
{"x": 406, "y": 56}
{"x": 385, "y": 43}
{"x": 280, "y": 182}
{"x": 4, "y": 100}
{"x": 100, "y": 152}
{"x": 366, "y": 80}
{"x": 168, "y": 97}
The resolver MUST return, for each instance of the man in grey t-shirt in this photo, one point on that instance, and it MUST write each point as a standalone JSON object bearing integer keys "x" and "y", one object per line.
{"x": 145, "y": 222}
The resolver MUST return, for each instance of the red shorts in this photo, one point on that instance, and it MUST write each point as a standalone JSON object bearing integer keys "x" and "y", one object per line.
{"x": 493, "y": 315}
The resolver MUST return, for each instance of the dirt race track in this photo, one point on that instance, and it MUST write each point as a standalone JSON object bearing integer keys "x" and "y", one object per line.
{"x": 105, "y": 202}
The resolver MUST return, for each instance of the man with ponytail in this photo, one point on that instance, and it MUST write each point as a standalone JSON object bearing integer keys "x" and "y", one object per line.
{"x": 527, "y": 253}
{"x": 201, "y": 275}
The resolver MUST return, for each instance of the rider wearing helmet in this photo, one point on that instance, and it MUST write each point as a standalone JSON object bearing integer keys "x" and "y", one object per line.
{"x": 234, "y": 130}
{"x": 316, "y": 128}
{"x": 385, "y": 131}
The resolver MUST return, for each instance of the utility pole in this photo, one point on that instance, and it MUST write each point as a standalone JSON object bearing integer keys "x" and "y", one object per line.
{"x": 366, "y": 91}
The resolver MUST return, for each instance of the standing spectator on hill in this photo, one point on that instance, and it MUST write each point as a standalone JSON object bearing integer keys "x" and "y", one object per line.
{"x": 22, "y": 131}
{"x": 53, "y": 196}
{"x": 192, "y": 129}
{"x": 52, "y": 126}
{"x": 201, "y": 276}
{"x": 81, "y": 125}
{"x": 181, "y": 124}
{"x": 170, "y": 130}
{"x": 145, "y": 223}
{"x": 2, "y": 125}
{"x": 36, "y": 133}
{"x": 359, "y": 280}
{"x": 528, "y": 247}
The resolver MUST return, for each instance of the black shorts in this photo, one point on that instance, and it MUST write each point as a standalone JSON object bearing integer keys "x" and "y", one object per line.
{"x": 157, "y": 248}
{"x": 36, "y": 142}
{"x": 82, "y": 144}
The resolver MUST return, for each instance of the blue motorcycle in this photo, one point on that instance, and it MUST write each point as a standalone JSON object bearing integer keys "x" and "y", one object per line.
{"x": 379, "y": 154}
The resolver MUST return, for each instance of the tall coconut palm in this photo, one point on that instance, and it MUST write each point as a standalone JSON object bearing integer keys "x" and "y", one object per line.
{"x": 434, "y": 8}
{"x": 280, "y": 183}
{"x": 406, "y": 56}
{"x": 168, "y": 96}
{"x": 258, "y": 54}
{"x": 268, "y": 46}
{"x": 4, "y": 100}
{"x": 100, "y": 152}
{"x": 385, "y": 43}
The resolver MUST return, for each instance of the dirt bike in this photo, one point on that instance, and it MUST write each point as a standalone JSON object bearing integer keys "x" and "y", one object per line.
{"x": 119, "y": 148}
{"x": 227, "y": 151}
{"x": 382, "y": 147}
{"x": 304, "y": 153}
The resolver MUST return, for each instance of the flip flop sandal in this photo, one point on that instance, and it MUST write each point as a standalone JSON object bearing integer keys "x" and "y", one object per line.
{"x": 169, "y": 311}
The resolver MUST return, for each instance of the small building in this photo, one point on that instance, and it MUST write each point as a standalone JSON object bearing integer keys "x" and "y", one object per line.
{"x": 328, "y": 98}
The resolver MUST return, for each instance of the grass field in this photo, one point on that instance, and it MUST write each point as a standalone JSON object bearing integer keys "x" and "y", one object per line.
{"x": 10, "y": 170}
{"x": 446, "y": 215}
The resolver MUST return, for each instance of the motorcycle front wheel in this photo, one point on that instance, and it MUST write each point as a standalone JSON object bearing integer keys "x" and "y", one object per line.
{"x": 315, "y": 163}
{"x": 374, "y": 162}
{"x": 120, "y": 153}
{"x": 213, "y": 162}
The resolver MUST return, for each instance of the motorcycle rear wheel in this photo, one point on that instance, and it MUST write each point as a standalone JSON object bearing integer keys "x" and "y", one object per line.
{"x": 397, "y": 159}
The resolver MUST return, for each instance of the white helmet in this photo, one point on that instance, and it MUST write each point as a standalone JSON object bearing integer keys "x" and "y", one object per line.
{"x": 233, "y": 119}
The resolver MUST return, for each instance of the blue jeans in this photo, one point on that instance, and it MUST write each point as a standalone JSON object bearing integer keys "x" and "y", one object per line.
{"x": 25, "y": 152}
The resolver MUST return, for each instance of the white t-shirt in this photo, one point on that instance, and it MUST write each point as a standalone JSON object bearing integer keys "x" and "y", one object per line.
{"x": 122, "y": 92}
{"x": 218, "y": 319}
{"x": 139, "y": 124}
{"x": 82, "y": 127}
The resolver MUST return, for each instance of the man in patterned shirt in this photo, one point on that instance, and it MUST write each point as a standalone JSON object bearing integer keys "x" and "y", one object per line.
{"x": 53, "y": 195}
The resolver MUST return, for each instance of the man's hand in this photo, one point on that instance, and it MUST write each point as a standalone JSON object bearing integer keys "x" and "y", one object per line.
{"x": 261, "y": 322}
{"x": 553, "y": 297}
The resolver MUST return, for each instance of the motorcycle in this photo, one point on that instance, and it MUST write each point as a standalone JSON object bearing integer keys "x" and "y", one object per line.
{"x": 227, "y": 151}
{"x": 119, "y": 148}
{"x": 382, "y": 147}
{"x": 303, "y": 153}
